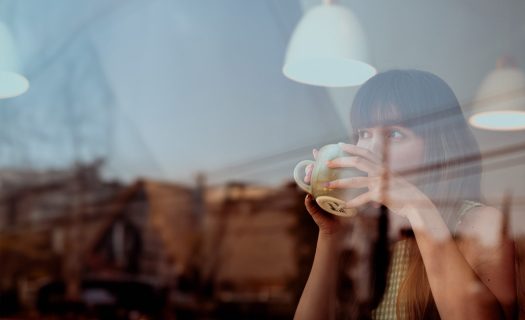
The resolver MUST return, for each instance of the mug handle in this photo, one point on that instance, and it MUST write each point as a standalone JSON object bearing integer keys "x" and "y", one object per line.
{"x": 296, "y": 175}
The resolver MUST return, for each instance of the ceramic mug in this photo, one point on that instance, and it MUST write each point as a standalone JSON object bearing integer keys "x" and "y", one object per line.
{"x": 331, "y": 200}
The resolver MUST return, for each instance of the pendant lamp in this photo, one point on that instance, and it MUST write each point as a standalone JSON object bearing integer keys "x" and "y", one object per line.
{"x": 500, "y": 101}
{"x": 328, "y": 48}
{"x": 12, "y": 82}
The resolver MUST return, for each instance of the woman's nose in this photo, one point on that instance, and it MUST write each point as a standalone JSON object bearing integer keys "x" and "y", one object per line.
{"x": 378, "y": 145}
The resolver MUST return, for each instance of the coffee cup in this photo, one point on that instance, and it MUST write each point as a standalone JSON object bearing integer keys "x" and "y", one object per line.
{"x": 330, "y": 200}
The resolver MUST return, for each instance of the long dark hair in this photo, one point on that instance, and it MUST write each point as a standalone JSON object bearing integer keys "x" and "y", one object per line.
{"x": 451, "y": 168}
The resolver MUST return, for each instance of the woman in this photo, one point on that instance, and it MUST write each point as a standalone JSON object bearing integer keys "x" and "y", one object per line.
{"x": 423, "y": 166}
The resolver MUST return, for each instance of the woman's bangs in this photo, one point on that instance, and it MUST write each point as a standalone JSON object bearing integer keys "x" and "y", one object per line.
{"x": 375, "y": 114}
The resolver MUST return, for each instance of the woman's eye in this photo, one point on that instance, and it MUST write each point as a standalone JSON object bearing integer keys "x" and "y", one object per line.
{"x": 363, "y": 134}
{"x": 395, "y": 134}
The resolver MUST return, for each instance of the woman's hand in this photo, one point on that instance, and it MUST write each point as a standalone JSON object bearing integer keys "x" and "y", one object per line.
{"x": 384, "y": 187}
{"x": 329, "y": 224}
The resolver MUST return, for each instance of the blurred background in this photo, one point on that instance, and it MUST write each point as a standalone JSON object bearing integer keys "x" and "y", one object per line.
{"x": 147, "y": 171}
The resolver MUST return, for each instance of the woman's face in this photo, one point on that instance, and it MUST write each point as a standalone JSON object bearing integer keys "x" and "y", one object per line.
{"x": 406, "y": 149}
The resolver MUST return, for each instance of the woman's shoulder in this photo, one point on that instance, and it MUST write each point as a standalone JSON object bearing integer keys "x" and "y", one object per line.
{"x": 476, "y": 211}
{"x": 467, "y": 206}
{"x": 479, "y": 221}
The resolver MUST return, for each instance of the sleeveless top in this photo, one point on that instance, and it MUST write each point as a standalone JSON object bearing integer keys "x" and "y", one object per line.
{"x": 386, "y": 310}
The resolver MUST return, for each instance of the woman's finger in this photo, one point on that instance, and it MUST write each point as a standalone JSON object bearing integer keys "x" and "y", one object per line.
{"x": 356, "y": 182}
{"x": 360, "y": 200}
{"x": 327, "y": 223}
{"x": 357, "y": 162}
{"x": 312, "y": 206}
{"x": 309, "y": 168}
{"x": 362, "y": 152}
{"x": 315, "y": 152}
{"x": 308, "y": 173}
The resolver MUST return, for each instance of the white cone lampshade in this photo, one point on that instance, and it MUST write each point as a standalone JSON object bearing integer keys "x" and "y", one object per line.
{"x": 500, "y": 101}
{"x": 328, "y": 48}
{"x": 12, "y": 82}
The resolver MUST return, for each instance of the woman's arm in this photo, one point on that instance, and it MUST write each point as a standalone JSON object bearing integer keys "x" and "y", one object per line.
{"x": 466, "y": 283}
{"x": 490, "y": 252}
{"x": 462, "y": 280}
{"x": 318, "y": 297}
